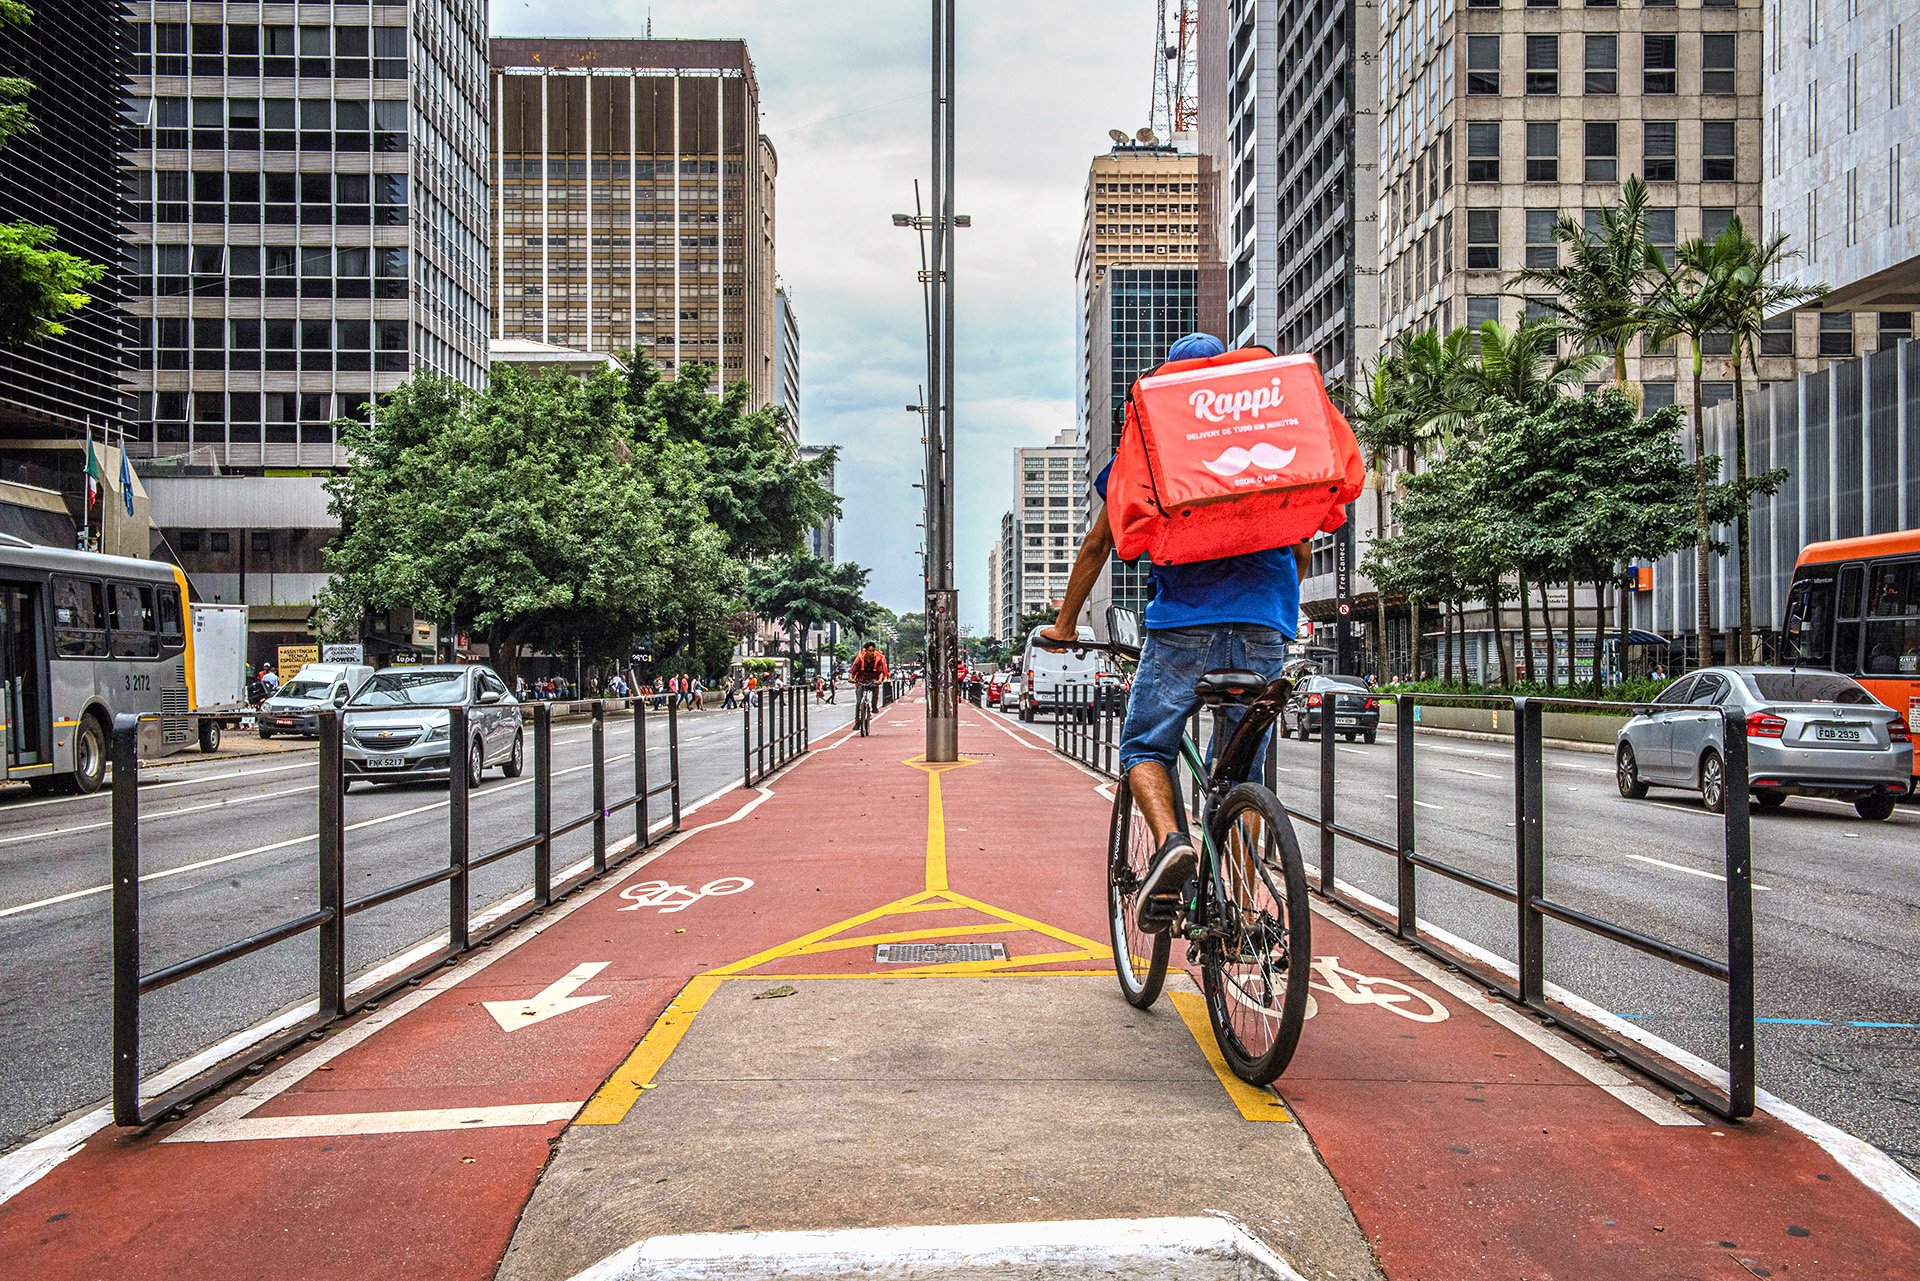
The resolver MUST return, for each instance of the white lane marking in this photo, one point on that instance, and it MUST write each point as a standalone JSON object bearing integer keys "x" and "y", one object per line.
{"x": 188, "y": 809}
{"x": 10, "y": 807}
{"x": 1455, "y": 769}
{"x": 1558, "y": 1048}
{"x": 1690, "y": 871}
{"x": 222, "y": 1126}
{"x": 1427, "y": 805}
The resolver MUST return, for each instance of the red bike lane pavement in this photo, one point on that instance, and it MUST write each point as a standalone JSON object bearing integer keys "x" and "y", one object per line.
{"x": 407, "y": 1142}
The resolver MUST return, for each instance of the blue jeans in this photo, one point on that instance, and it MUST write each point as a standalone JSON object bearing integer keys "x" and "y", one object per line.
{"x": 1170, "y": 662}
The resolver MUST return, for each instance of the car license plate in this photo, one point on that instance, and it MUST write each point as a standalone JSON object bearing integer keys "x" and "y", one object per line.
{"x": 1836, "y": 733}
{"x": 283, "y": 720}
{"x": 386, "y": 762}
{"x": 1346, "y": 720}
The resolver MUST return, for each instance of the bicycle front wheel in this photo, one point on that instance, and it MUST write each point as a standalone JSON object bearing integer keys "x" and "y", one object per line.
{"x": 1254, "y": 967}
{"x": 1139, "y": 958}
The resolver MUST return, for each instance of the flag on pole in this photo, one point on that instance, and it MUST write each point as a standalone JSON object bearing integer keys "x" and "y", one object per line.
{"x": 126, "y": 481}
{"x": 93, "y": 476}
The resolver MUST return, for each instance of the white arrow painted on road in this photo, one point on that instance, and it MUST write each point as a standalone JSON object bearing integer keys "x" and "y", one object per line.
{"x": 557, "y": 998}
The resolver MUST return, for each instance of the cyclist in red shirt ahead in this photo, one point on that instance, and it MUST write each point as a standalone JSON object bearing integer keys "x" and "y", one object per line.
{"x": 868, "y": 670}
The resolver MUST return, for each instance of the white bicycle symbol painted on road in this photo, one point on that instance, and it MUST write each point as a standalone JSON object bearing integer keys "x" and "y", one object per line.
{"x": 1353, "y": 988}
{"x": 667, "y": 897}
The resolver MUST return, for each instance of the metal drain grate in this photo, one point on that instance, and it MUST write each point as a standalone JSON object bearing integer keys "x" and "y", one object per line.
{"x": 938, "y": 953}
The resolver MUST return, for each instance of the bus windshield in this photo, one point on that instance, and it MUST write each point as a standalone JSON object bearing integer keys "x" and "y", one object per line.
{"x": 391, "y": 689}
{"x": 1809, "y": 632}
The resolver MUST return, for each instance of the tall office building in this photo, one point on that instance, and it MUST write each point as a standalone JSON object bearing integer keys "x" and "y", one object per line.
{"x": 633, "y": 202}
{"x": 64, "y": 173}
{"x": 1003, "y": 582}
{"x": 1289, "y": 153}
{"x": 1051, "y": 515}
{"x": 786, "y": 364}
{"x": 308, "y": 230}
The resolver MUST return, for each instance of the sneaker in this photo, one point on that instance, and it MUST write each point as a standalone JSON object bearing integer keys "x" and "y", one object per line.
{"x": 1159, "y": 893}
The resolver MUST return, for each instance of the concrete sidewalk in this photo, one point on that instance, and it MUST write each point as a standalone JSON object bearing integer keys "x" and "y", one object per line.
{"x": 712, "y": 1042}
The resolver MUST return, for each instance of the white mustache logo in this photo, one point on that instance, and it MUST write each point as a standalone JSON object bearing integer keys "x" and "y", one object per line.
{"x": 1237, "y": 460}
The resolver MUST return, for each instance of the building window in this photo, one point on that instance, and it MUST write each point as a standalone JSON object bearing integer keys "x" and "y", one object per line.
{"x": 1776, "y": 335}
{"x": 1659, "y": 151}
{"x": 1603, "y": 64}
{"x": 1656, "y": 396}
{"x": 1836, "y": 333}
{"x": 1480, "y": 309}
{"x": 1713, "y": 221}
{"x": 189, "y": 540}
{"x": 1716, "y": 151}
{"x": 1717, "y": 51}
{"x": 1483, "y": 65}
{"x": 1541, "y": 249}
{"x": 1659, "y": 58}
{"x": 1483, "y": 239}
{"x": 1543, "y": 151}
{"x": 1483, "y": 151}
{"x": 1603, "y": 150}
{"x": 1714, "y": 392}
{"x": 1543, "y": 64}
{"x": 219, "y": 541}
{"x": 1895, "y": 326}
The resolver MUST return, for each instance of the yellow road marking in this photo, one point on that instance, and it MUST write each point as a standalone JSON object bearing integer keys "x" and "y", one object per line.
{"x": 907, "y": 936}
{"x": 1255, "y": 1104}
{"x": 610, "y": 1105}
{"x": 824, "y": 932}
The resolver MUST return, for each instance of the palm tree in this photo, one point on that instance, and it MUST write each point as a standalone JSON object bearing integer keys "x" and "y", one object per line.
{"x": 1378, "y": 416}
{"x": 1691, "y": 303}
{"x": 1600, "y": 293}
{"x": 1753, "y": 293}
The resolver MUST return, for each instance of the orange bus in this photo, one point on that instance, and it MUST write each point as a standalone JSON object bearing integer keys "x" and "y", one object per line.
{"x": 1854, "y": 606}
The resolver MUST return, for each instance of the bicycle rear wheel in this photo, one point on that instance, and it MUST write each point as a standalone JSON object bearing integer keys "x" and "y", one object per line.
{"x": 1255, "y": 968}
{"x": 1139, "y": 958}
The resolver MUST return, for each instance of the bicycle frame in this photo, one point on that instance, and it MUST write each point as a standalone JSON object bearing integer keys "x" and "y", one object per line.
{"x": 1233, "y": 766}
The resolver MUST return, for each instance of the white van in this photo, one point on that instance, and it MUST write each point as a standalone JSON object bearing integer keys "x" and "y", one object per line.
{"x": 1045, "y": 675}
{"x": 295, "y": 707}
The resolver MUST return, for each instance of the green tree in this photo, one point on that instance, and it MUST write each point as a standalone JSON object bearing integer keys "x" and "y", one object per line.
{"x": 39, "y": 285}
{"x": 1754, "y": 294}
{"x": 805, "y": 591}
{"x": 909, "y": 636}
{"x": 527, "y": 513}
{"x": 757, "y": 489}
{"x": 1602, "y": 291}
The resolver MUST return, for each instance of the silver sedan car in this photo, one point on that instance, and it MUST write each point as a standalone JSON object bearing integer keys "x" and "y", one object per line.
{"x": 390, "y": 738}
{"x": 1809, "y": 733}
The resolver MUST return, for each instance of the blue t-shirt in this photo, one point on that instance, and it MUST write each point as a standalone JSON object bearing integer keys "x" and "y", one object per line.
{"x": 1260, "y": 588}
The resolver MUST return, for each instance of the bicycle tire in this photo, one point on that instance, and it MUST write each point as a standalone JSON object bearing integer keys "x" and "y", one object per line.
{"x": 1257, "y": 1046}
{"x": 1129, "y": 849}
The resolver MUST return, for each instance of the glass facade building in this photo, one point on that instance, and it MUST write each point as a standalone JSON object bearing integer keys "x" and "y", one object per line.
{"x": 307, "y": 225}
{"x": 633, "y": 202}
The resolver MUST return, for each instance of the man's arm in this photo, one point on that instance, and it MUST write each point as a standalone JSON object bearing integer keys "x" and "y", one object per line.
{"x": 1094, "y": 550}
{"x": 1302, "y": 555}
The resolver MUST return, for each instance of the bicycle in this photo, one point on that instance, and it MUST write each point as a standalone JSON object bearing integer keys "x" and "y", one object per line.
{"x": 1244, "y": 914}
{"x": 864, "y": 696}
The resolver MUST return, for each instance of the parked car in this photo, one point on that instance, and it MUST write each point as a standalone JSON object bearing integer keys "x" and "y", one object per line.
{"x": 1110, "y": 693}
{"x": 390, "y": 738}
{"x": 1809, "y": 733}
{"x": 1356, "y": 712}
{"x": 295, "y": 707}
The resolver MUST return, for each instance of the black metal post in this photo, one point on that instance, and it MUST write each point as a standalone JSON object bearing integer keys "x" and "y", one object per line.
{"x": 746, "y": 743}
{"x": 673, "y": 763}
{"x": 1530, "y": 848}
{"x": 760, "y": 733}
{"x": 642, "y": 806}
{"x": 1406, "y": 907}
{"x": 1739, "y": 839}
{"x": 332, "y": 941}
{"x": 599, "y": 785}
{"x": 543, "y": 803}
{"x": 126, "y": 920}
{"x": 1327, "y": 763}
{"x": 458, "y": 828}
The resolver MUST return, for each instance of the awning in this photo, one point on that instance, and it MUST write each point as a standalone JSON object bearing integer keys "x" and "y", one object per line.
{"x": 1637, "y": 637}
{"x": 37, "y": 525}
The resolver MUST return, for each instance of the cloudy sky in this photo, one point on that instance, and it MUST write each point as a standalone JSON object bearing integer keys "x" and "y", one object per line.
{"x": 843, "y": 96}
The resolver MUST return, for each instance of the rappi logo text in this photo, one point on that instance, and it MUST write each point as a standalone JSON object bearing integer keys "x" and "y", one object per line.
{"x": 1218, "y": 406}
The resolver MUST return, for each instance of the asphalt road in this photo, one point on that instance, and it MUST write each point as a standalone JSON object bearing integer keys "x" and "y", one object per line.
{"x": 1836, "y": 909}
{"x": 227, "y": 849}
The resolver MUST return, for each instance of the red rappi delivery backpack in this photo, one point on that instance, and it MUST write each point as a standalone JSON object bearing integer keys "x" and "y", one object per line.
{"x": 1236, "y": 453}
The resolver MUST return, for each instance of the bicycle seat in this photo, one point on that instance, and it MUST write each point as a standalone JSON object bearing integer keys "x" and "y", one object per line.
{"x": 1229, "y": 685}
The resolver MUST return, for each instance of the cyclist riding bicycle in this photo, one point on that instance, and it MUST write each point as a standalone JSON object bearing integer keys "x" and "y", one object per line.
{"x": 868, "y": 670}
{"x": 1237, "y": 612}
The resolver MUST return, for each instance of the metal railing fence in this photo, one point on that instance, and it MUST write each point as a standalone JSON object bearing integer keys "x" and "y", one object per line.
{"x": 778, "y": 728}
{"x": 334, "y": 909}
{"x": 1089, "y": 734}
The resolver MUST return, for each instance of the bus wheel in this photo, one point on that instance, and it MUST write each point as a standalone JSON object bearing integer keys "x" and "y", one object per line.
{"x": 209, "y": 736}
{"x": 89, "y": 755}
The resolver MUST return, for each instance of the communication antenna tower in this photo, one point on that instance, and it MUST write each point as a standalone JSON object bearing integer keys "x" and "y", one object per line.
{"x": 1175, "y": 102}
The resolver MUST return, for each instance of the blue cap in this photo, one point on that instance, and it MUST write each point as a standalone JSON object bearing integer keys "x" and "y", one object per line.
{"x": 1196, "y": 347}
